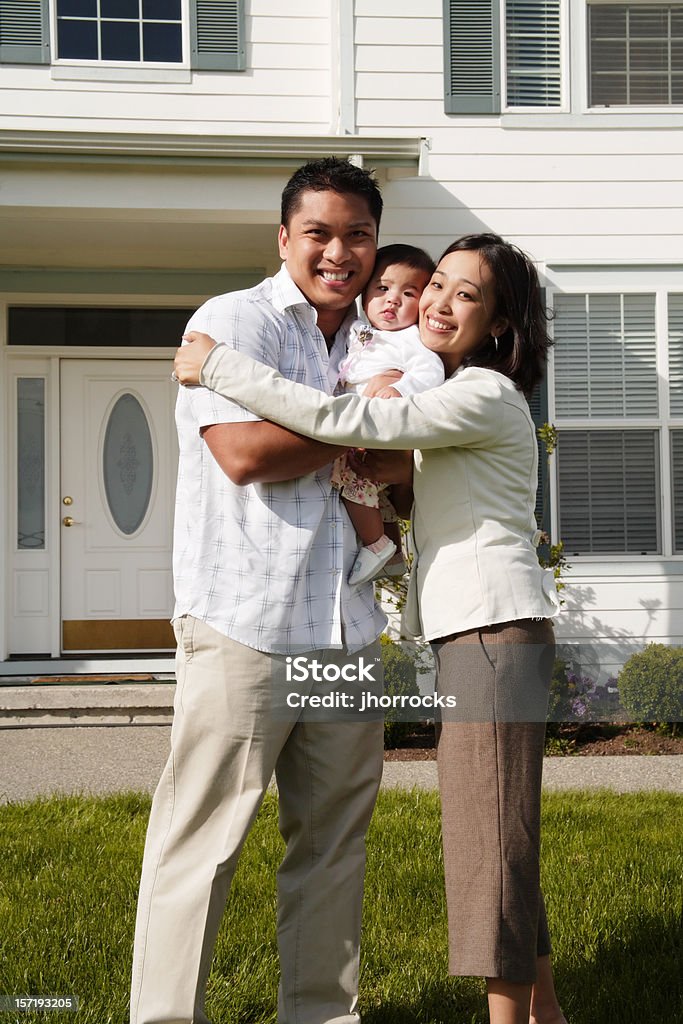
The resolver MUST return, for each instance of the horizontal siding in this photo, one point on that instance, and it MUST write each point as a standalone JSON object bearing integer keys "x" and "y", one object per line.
{"x": 478, "y": 193}
{"x": 399, "y": 33}
{"x": 286, "y": 88}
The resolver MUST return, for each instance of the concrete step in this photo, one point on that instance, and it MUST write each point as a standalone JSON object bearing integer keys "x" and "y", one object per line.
{"x": 86, "y": 703}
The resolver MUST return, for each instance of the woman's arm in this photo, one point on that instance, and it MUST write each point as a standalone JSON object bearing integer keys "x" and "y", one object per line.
{"x": 464, "y": 411}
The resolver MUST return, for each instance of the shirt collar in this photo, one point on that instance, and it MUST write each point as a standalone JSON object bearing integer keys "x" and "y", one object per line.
{"x": 287, "y": 294}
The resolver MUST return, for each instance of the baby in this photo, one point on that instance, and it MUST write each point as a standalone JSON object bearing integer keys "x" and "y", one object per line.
{"x": 387, "y": 340}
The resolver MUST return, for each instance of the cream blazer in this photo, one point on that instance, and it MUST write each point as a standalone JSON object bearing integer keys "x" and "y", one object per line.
{"x": 476, "y": 470}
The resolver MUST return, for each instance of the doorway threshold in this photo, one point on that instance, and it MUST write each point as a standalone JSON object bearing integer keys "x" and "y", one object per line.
{"x": 82, "y": 669}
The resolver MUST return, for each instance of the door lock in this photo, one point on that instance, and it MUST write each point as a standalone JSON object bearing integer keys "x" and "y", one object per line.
{"x": 68, "y": 500}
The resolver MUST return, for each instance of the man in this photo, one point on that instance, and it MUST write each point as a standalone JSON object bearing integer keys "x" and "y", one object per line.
{"x": 261, "y": 557}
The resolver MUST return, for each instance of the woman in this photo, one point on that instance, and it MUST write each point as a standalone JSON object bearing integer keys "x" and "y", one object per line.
{"x": 477, "y": 591}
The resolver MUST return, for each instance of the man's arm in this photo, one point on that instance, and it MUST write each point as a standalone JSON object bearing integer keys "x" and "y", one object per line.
{"x": 259, "y": 452}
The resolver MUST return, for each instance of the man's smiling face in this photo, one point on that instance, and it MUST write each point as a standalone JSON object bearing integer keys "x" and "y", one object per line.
{"x": 329, "y": 247}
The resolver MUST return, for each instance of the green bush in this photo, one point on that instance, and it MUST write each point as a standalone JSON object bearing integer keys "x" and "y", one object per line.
{"x": 651, "y": 684}
{"x": 400, "y": 675}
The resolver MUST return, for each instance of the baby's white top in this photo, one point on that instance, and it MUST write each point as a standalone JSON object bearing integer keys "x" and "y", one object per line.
{"x": 372, "y": 351}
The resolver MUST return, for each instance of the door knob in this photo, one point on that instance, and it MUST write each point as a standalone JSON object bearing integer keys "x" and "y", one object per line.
{"x": 68, "y": 521}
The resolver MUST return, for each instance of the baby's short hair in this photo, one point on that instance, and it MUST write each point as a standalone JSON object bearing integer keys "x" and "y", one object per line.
{"x": 409, "y": 255}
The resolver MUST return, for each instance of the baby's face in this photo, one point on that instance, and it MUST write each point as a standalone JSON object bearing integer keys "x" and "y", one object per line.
{"x": 392, "y": 297}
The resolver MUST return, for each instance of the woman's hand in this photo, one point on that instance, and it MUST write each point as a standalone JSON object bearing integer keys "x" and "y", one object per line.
{"x": 189, "y": 359}
{"x": 387, "y": 467}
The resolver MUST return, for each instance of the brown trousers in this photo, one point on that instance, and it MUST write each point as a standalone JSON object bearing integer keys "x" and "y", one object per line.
{"x": 490, "y": 761}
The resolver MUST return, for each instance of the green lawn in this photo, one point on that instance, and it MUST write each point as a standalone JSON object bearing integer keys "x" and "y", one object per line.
{"x": 612, "y": 868}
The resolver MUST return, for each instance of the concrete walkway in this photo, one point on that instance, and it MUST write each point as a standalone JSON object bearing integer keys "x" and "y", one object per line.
{"x": 42, "y": 761}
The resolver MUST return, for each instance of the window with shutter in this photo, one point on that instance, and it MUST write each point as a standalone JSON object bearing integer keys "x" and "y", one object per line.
{"x": 128, "y": 33}
{"x": 473, "y": 54}
{"x": 635, "y": 54}
{"x": 533, "y": 53}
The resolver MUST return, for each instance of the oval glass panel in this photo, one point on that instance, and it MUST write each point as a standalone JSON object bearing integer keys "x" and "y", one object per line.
{"x": 128, "y": 463}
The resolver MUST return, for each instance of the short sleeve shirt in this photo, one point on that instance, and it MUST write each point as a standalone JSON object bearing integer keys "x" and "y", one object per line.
{"x": 266, "y": 564}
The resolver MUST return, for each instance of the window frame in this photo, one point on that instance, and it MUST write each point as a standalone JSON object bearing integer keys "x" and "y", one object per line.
{"x": 137, "y": 65}
{"x": 628, "y": 108}
{"x": 623, "y": 281}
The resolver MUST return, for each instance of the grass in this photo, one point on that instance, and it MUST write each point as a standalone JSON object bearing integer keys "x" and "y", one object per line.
{"x": 612, "y": 868}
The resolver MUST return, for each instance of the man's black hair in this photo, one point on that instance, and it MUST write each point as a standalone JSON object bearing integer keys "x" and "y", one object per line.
{"x": 331, "y": 174}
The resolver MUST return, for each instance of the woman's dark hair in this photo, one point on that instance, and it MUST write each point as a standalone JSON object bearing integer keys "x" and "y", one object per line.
{"x": 522, "y": 350}
{"x": 409, "y": 255}
{"x": 331, "y": 174}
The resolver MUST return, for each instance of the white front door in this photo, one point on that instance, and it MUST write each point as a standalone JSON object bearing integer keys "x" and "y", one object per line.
{"x": 118, "y": 466}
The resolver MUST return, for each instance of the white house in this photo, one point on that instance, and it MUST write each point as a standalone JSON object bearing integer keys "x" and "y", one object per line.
{"x": 143, "y": 147}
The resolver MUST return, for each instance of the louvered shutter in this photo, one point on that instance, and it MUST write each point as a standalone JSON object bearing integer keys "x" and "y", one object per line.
{"x": 605, "y": 356}
{"x": 676, "y": 355}
{"x": 24, "y": 32}
{"x": 472, "y": 56}
{"x": 533, "y": 52}
{"x": 677, "y": 472}
{"x": 609, "y": 491}
{"x": 538, "y": 407}
{"x": 217, "y": 34}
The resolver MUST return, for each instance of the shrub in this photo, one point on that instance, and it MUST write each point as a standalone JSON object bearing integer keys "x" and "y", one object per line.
{"x": 400, "y": 675}
{"x": 651, "y": 684}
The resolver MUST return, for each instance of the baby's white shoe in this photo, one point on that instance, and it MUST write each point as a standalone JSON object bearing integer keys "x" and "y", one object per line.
{"x": 369, "y": 563}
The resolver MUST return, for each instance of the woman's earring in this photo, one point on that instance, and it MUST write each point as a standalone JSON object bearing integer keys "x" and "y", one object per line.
{"x": 495, "y": 343}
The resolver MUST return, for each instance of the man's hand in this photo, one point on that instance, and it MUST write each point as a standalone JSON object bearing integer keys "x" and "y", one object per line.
{"x": 189, "y": 359}
{"x": 381, "y": 381}
{"x": 387, "y": 467}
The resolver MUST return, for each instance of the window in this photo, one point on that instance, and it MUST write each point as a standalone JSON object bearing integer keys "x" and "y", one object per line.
{"x": 150, "y": 31}
{"x": 128, "y": 32}
{"x": 93, "y": 325}
{"x": 635, "y": 54}
{"x": 619, "y": 459}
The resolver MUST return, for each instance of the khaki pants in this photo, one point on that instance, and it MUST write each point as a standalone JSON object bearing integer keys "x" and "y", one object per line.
{"x": 490, "y": 761}
{"x": 225, "y": 745}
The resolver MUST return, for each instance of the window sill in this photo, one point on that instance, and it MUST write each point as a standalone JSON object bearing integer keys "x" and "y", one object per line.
{"x": 97, "y": 73}
{"x": 594, "y": 118}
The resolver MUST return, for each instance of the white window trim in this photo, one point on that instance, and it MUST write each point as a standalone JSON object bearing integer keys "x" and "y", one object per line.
{"x": 623, "y": 280}
{"x": 122, "y": 65}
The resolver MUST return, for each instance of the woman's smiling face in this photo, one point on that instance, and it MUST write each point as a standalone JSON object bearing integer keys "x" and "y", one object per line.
{"x": 458, "y": 308}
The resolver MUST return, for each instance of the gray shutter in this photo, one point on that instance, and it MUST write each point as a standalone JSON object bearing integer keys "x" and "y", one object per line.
{"x": 677, "y": 472}
{"x": 609, "y": 491}
{"x": 24, "y": 32}
{"x": 605, "y": 356}
{"x": 533, "y": 52}
{"x": 472, "y": 56}
{"x": 676, "y": 355}
{"x": 538, "y": 407}
{"x": 217, "y": 35}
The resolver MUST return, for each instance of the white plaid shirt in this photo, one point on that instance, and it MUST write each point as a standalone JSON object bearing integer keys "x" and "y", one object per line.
{"x": 266, "y": 564}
